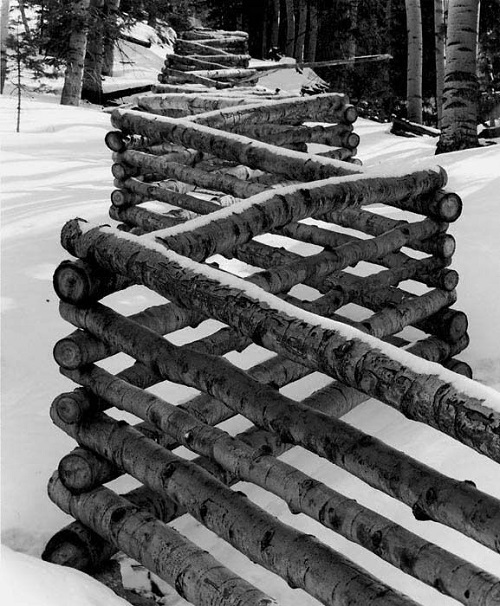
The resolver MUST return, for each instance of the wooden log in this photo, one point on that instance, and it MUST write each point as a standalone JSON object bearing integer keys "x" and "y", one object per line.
{"x": 351, "y": 253}
{"x": 233, "y": 45}
{"x": 194, "y": 573}
{"x": 169, "y": 169}
{"x": 272, "y": 209}
{"x": 329, "y": 107}
{"x": 469, "y": 411}
{"x": 184, "y": 63}
{"x": 159, "y": 191}
{"x": 341, "y": 153}
{"x": 249, "y": 463}
{"x": 438, "y": 205}
{"x": 79, "y": 348}
{"x": 253, "y": 91}
{"x": 401, "y": 126}
{"x": 174, "y": 75}
{"x": 203, "y": 34}
{"x": 224, "y": 74}
{"x": 89, "y": 547}
{"x": 441, "y": 245}
{"x": 79, "y": 282}
{"x": 207, "y": 62}
{"x": 224, "y": 60}
{"x": 257, "y": 534}
{"x": 233, "y": 147}
{"x": 337, "y": 135}
{"x": 290, "y": 420}
{"x": 462, "y": 368}
{"x": 190, "y": 103}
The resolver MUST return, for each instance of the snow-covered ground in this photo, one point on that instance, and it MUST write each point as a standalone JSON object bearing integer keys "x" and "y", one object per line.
{"x": 58, "y": 168}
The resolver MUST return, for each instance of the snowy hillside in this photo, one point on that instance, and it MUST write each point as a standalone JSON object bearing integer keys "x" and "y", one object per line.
{"x": 58, "y": 168}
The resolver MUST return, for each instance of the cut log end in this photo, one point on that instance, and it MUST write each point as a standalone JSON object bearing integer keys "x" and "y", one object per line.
{"x": 68, "y": 354}
{"x": 70, "y": 407}
{"x": 350, "y": 114}
{"x": 71, "y": 282}
{"x": 461, "y": 368}
{"x": 119, "y": 198}
{"x": 66, "y": 549}
{"x": 115, "y": 141}
{"x": 75, "y": 472}
{"x": 448, "y": 207}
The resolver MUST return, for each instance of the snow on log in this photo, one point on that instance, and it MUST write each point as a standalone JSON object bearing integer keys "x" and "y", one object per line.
{"x": 328, "y": 107}
{"x": 232, "y": 147}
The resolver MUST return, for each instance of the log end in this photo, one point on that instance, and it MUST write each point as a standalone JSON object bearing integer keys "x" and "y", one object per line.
{"x": 70, "y": 407}
{"x": 68, "y": 353}
{"x": 119, "y": 198}
{"x": 448, "y": 207}
{"x": 72, "y": 283}
{"x": 455, "y": 324}
{"x": 350, "y": 114}
{"x": 66, "y": 549}
{"x": 76, "y": 471}
{"x": 461, "y": 368}
{"x": 115, "y": 141}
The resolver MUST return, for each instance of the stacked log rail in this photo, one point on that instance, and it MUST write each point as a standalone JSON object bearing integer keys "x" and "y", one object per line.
{"x": 214, "y": 58}
{"x": 189, "y": 191}
{"x": 285, "y": 122}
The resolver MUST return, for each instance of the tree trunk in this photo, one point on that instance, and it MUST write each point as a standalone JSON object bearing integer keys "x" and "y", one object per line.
{"x": 460, "y": 95}
{"x": 274, "y": 18}
{"x": 26, "y": 26}
{"x": 414, "y": 67}
{"x": 440, "y": 39}
{"x": 94, "y": 57}
{"x": 300, "y": 29}
{"x": 73, "y": 79}
{"x": 311, "y": 41}
{"x": 110, "y": 36}
{"x": 3, "y": 41}
{"x": 290, "y": 28}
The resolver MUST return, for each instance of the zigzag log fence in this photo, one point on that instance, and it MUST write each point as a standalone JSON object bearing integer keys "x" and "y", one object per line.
{"x": 200, "y": 204}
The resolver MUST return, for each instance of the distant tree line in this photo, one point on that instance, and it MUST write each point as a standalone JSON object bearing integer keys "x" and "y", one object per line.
{"x": 458, "y": 42}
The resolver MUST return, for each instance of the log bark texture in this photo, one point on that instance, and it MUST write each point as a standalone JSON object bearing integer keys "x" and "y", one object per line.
{"x": 461, "y": 412}
{"x": 194, "y": 573}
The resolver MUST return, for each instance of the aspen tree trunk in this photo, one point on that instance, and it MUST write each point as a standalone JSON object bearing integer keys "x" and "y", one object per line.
{"x": 94, "y": 58}
{"x": 290, "y": 28}
{"x": 312, "y": 31}
{"x": 27, "y": 30}
{"x": 274, "y": 18}
{"x": 73, "y": 79}
{"x": 460, "y": 94}
{"x": 300, "y": 28}
{"x": 414, "y": 67}
{"x": 112, "y": 8}
{"x": 3, "y": 41}
{"x": 439, "y": 40}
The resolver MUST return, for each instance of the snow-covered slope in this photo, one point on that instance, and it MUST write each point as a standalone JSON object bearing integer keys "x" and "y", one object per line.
{"x": 57, "y": 168}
